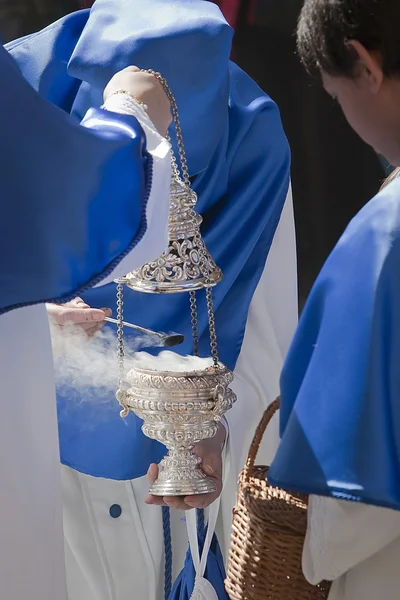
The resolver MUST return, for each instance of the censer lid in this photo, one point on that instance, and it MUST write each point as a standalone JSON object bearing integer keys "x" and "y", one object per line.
{"x": 186, "y": 264}
{"x": 166, "y": 275}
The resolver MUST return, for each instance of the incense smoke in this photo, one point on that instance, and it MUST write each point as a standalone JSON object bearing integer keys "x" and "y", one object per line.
{"x": 86, "y": 367}
{"x": 170, "y": 361}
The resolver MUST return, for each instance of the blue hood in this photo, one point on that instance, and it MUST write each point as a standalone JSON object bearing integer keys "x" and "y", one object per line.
{"x": 190, "y": 43}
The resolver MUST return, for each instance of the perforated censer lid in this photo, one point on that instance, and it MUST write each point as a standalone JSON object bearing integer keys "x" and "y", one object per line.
{"x": 186, "y": 264}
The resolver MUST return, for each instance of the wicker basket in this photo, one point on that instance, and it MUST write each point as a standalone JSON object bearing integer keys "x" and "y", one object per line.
{"x": 268, "y": 531}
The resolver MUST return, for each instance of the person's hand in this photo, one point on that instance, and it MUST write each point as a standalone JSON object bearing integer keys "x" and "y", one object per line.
{"x": 148, "y": 89}
{"x": 210, "y": 451}
{"x": 79, "y": 313}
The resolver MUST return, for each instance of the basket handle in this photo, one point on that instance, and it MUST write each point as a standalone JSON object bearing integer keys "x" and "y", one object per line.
{"x": 258, "y": 436}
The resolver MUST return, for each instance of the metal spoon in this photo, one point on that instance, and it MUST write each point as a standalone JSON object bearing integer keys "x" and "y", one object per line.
{"x": 171, "y": 339}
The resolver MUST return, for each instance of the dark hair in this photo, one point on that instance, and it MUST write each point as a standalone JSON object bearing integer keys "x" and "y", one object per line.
{"x": 325, "y": 27}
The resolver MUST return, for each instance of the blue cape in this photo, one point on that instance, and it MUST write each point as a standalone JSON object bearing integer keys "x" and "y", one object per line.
{"x": 62, "y": 226}
{"x": 238, "y": 159}
{"x": 340, "y": 415}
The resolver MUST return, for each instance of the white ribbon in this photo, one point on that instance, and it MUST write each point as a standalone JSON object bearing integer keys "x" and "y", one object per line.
{"x": 203, "y": 590}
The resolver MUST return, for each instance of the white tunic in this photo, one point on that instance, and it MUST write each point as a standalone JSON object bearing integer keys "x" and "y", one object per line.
{"x": 354, "y": 545}
{"x": 122, "y": 558}
{"x": 31, "y": 537}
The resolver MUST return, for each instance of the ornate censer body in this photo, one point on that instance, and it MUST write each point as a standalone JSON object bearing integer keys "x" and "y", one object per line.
{"x": 179, "y": 409}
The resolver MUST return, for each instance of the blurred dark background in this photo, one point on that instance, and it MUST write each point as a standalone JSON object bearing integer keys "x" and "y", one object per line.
{"x": 20, "y": 17}
{"x": 333, "y": 172}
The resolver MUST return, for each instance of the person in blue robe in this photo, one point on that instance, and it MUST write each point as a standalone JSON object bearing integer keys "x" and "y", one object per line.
{"x": 239, "y": 163}
{"x": 86, "y": 236}
{"x": 340, "y": 386}
{"x": 63, "y": 228}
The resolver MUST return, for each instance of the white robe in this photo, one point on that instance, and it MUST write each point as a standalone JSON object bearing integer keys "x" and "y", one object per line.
{"x": 356, "y": 546}
{"x": 31, "y": 536}
{"x": 121, "y": 558}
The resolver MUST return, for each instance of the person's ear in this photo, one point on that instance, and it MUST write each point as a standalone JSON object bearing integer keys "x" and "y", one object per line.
{"x": 368, "y": 72}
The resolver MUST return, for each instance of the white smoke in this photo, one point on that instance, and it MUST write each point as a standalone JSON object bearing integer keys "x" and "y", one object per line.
{"x": 170, "y": 361}
{"x": 86, "y": 367}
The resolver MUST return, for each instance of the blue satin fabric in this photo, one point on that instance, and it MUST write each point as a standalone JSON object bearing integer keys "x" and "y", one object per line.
{"x": 340, "y": 416}
{"x": 214, "y": 573}
{"x": 62, "y": 223}
{"x": 238, "y": 157}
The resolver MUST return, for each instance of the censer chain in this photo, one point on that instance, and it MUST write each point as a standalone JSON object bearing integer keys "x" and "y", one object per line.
{"x": 195, "y": 323}
{"x": 120, "y": 332}
{"x": 211, "y": 325}
{"x": 210, "y": 303}
{"x": 178, "y": 131}
{"x": 203, "y": 260}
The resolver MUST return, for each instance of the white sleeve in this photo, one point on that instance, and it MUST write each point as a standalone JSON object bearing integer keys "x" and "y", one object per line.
{"x": 271, "y": 322}
{"x": 341, "y": 535}
{"x": 155, "y": 239}
{"x": 270, "y": 325}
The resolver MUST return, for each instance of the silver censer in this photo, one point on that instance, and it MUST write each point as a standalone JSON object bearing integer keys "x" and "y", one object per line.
{"x": 179, "y": 409}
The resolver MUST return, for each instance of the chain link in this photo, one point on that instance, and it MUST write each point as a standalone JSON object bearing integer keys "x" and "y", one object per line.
{"x": 195, "y": 323}
{"x": 211, "y": 325}
{"x": 120, "y": 332}
{"x": 204, "y": 266}
{"x": 178, "y": 130}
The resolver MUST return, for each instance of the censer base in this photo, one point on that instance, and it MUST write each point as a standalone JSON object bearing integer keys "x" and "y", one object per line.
{"x": 182, "y": 477}
{"x": 206, "y": 486}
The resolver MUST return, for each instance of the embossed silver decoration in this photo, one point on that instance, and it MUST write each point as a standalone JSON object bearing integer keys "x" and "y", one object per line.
{"x": 186, "y": 264}
{"x": 179, "y": 409}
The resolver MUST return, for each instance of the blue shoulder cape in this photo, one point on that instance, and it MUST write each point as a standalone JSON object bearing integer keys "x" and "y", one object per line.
{"x": 63, "y": 227}
{"x": 340, "y": 415}
{"x": 238, "y": 160}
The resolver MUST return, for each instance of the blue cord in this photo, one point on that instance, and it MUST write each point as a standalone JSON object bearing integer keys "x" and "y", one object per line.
{"x": 200, "y": 522}
{"x": 166, "y": 519}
